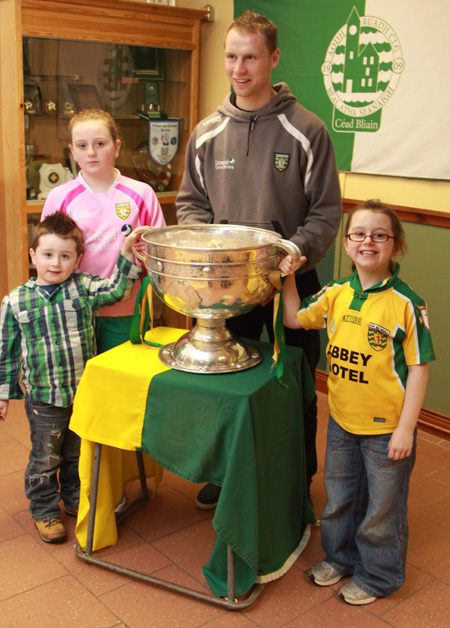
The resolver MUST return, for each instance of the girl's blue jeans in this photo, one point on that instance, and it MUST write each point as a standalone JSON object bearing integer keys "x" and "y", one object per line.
{"x": 54, "y": 447}
{"x": 364, "y": 525}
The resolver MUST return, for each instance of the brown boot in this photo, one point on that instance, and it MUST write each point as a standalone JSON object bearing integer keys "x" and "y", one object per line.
{"x": 52, "y": 530}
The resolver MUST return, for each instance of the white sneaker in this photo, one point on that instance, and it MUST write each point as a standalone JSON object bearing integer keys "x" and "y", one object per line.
{"x": 325, "y": 575}
{"x": 352, "y": 594}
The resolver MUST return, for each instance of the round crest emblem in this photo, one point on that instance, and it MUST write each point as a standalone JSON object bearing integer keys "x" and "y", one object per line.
{"x": 361, "y": 72}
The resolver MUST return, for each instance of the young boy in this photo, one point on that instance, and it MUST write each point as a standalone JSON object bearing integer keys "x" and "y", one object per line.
{"x": 49, "y": 323}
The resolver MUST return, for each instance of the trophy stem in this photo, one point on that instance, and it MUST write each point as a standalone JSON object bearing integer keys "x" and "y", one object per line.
{"x": 211, "y": 330}
{"x": 209, "y": 348}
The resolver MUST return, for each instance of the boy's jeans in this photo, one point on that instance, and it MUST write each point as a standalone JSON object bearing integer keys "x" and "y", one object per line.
{"x": 364, "y": 525}
{"x": 53, "y": 447}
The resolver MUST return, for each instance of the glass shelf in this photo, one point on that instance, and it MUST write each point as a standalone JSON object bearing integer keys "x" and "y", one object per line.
{"x": 62, "y": 77}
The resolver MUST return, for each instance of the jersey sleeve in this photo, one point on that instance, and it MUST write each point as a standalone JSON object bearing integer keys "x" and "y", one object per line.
{"x": 150, "y": 213}
{"x": 50, "y": 205}
{"x": 417, "y": 346}
{"x": 313, "y": 312}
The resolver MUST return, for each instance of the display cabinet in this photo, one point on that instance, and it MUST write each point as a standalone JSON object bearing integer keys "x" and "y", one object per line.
{"x": 144, "y": 88}
{"x": 136, "y": 60}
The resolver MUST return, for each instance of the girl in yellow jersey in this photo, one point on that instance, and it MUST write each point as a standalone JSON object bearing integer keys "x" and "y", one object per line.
{"x": 379, "y": 347}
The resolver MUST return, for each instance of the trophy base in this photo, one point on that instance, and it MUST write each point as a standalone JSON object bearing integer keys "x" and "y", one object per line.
{"x": 209, "y": 348}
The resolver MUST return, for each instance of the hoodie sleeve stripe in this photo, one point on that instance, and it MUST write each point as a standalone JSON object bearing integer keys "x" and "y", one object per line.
{"x": 210, "y": 134}
{"x": 303, "y": 141}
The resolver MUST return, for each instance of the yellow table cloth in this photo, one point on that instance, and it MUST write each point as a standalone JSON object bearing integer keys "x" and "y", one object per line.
{"x": 109, "y": 408}
{"x": 240, "y": 430}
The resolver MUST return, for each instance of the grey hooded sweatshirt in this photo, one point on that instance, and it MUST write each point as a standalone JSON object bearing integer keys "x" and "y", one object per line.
{"x": 273, "y": 168}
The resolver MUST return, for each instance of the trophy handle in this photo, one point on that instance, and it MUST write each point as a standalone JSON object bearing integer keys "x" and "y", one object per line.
{"x": 290, "y": 249}
{"x": 141, "y": 230}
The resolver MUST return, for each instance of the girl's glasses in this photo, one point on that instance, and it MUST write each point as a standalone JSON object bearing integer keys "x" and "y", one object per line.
{"x": 375, "y": 237}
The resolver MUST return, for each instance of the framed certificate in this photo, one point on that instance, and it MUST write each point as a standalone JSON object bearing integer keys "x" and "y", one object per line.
{"x": 148, "y": 62}
{"x": 84, "y": 96}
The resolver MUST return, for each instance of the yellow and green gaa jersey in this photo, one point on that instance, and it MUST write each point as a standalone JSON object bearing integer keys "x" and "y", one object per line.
{"x": 374, "y": 335}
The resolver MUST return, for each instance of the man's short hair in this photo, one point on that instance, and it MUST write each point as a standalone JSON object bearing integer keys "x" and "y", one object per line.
{"x": 61, "y": 225}
{"x": 250, "y": 22}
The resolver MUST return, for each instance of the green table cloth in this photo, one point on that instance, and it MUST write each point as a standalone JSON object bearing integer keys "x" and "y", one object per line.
{"x": 242, "y": 431}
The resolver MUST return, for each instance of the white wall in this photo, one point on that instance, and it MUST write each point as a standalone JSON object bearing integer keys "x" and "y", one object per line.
{"x": 213, "y": 82}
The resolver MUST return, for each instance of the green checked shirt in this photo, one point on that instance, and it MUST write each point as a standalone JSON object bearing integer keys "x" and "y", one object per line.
{"x": 54, "y": 333}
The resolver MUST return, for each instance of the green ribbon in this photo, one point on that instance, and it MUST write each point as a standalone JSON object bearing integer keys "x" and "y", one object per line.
{"x": 279, "y": 355}
{"x": 141, "y": 318}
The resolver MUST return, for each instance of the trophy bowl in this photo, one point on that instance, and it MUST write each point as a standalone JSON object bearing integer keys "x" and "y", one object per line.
{"x": 212, "y": 272}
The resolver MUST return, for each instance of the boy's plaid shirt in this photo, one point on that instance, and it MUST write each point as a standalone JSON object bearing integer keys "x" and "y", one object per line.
{"x": 54, "y": 333}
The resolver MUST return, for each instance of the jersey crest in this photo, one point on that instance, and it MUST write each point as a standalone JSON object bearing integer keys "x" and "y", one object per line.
{"x": 123, "y": 210}
{"x": 377, "y": 337}
{"x": 281, "y": 161}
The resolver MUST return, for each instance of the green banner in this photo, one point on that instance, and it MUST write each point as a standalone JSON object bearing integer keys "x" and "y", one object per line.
{"x": 305, "y": 30}
{"x": 376, "y": 72}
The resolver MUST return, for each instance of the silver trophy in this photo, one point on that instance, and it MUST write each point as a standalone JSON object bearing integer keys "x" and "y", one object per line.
{"x": 212, "y": 272}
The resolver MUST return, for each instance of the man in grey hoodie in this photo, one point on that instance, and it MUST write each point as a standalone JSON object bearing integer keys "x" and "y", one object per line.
{"x": 263, "y": 160}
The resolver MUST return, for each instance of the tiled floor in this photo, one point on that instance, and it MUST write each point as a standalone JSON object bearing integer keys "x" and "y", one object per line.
{"x": 47, "y": 585}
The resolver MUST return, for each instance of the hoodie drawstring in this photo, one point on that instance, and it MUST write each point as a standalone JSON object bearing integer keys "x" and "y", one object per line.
{"x": 251, "y": 126}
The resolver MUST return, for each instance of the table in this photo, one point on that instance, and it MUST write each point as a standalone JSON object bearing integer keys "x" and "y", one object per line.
{"x": 243, "y": 431}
